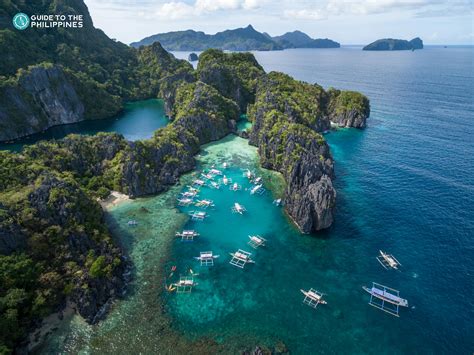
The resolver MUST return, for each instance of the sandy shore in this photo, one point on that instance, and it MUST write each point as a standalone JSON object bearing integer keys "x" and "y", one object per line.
{"x": 115, "y": 198}
{"x": 48, "y": 325}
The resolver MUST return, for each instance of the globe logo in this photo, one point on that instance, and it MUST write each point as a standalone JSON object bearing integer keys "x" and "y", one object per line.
{"x": 21, "y": 21}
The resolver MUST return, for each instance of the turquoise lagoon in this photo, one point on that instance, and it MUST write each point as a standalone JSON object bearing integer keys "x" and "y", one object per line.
{"x": 138, "y": 120}
{"x": 405, "y": 185}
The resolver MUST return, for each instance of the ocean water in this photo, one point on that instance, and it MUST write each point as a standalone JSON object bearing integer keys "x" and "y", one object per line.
{"x": 138, "y": 120}
{"x": 405, "y": 185}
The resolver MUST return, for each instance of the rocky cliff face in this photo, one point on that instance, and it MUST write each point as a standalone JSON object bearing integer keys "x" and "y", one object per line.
{"x": 304, "y": 159}
{"x": 233, "y": 75}
{"x": 41, "y": 98}
{"x": 44, "y": 96}
{"x": 200, "y": 115}
{"x": 348, "y": 108}
{"x": 59, "y": 203}
{"x": 12, "y": 237}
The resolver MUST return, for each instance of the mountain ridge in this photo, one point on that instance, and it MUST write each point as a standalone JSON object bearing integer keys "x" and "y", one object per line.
{"x": 238, "y": 39}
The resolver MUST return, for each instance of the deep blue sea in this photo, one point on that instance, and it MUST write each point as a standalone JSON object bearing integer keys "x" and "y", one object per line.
{"x": 405, "y": 185}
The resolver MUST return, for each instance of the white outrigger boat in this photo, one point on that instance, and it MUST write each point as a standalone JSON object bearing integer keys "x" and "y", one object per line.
{"x": 206, "y": 258}
{"x": 132, "y": 223}
{"x": 277, "y": 202}
{"x": 388, "y": 261}
{"x": 385, "y": 298}
{"x": 187, "y": 235}
{"x": 215, "y": 185}
{"x": 189, "y": 194}
{"x": 240, "y": 258}
{"x": 226, "y": 181}
{"x": 313, "y": 298}
{"x": 204, "y": 203}
{"x": 199, "y": 182}
{"x": 238, "y": 208}
{"x": 235, "y": 187}
{"x": 257, "y": 189}
{"x": 256, "y": 241}
{"x": 248, "y": 174}
{"x": 215, "y": 172}
{"x": 198, "y": 215}
{"x": 207, "y": 176}
{"x": 185, "y": 284}
{"x": 257, "y": 180}
{"x": 185, "y": 201}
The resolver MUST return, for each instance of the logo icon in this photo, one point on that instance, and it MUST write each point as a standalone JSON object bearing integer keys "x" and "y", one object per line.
{"x": 21, "y": 21}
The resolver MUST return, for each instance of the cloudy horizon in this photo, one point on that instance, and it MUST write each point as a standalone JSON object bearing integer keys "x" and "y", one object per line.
{"x": 347, "y": 22}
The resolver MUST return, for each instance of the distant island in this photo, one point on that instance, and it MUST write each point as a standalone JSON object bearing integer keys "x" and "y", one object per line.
{"x": 390, "y": 44}
{"x": 239, "y": 39}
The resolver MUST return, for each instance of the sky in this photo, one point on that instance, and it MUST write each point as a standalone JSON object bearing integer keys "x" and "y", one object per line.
{"x": 345, "y": 21}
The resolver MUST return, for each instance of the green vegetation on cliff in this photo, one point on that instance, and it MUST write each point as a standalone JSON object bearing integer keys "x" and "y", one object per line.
{"x": 234, "y": 75}
{"x": 98, "y": 74}
{"x": 48, "y": 227}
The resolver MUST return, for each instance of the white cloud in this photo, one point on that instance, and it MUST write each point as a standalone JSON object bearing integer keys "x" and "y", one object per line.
{"x": 175, "y": 10}
{"x": 324, "y": 10}
{"x": 304, "y": 14}
{"x": 181, "y": 10}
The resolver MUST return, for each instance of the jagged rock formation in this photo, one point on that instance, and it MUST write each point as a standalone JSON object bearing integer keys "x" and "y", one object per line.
{"x": 390, "y": 44}
{"x": 287, "y": 115}
{"x": 234, "y": 75}
{"x": 91, "y": 77}
{"x": 348, "y": 108}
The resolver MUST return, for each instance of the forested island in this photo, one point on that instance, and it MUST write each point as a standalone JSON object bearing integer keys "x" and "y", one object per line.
{"x": 239, "y": 39}
{"x": 390, "y": 44}
{"x": 54, "y": 242}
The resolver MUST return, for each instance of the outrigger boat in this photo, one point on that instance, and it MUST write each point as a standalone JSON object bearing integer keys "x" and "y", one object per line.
{"x": 206, "y": 258}
{"x": 385, "y": 298}
{"x": 257, "y": 189}
{"x": 225, "y": 165}
{"x": 187, "y": 235}
{"x": 388, "y": 261}
{"x": 235, "y": 187}
{"x": 248, "y": 174}
{"x": 190, "y": 194}
{"x": 198, "y": 215}
{"x": 215, "y": 185}
{"x": 204, "y": 203}
{"x": 199, "y": 183}
{"x": 207, "y": 176}
{"x": 258, "y": 180}
{"x": 185, "y": 284}
{"x": 226, "y": 181}
{"x": 185, "y": 201}
{"x": 256, "y": 241}
{"x": 313, "y": 298}
{"x": 215, "y": 172}
{"x": 238, "y": 208}
{"x": 240, "y": 258}
{"x": 277, "y": 202}
{"x": 132, "y": 223}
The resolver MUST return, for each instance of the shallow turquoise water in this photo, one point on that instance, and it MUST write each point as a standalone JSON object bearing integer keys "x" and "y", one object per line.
{"x": 138, "y": 120}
